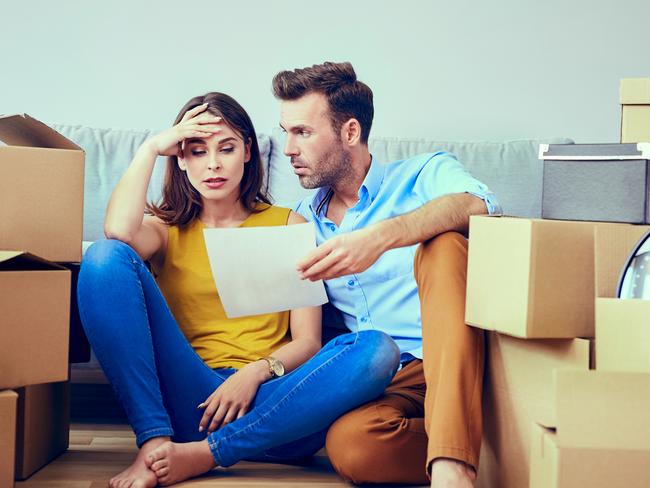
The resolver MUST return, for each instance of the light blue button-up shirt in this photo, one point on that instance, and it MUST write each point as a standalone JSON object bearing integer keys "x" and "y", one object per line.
{"x": 385, "y": 296}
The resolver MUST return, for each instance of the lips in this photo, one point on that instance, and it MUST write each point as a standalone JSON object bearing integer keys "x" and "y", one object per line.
{"x": 214, "y": 183}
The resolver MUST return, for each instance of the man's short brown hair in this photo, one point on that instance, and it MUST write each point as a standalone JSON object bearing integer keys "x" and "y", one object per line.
{"x": 346, "y": 96}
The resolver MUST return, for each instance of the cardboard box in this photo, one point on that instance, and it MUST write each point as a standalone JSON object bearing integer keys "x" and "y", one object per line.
{"x": 41, "y": 190}
{"x": 7, "y": 437}
{"x": 635, "y": 110}
{"x": 622, "y": 326}
{"x": 42, "y": 426}
{"x": 596, "y": 182}
{"x": 531, "y": 278}
{"x": 557, "y": 465}
{"x": 519, "y": 390}
{"x": 35, "y": 307}
{"x": 603, "y": 409}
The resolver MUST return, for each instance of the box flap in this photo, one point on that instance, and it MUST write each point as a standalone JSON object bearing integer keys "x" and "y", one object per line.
{"x": 19, "y": 260}
{"x": 594, "y": 152}
{"x": 635, "y": 91}
{"x": 23, "y": 130}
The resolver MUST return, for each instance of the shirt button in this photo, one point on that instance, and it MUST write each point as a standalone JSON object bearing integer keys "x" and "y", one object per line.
{"x": 332, "y": 227}
{"x": 364, "y": 319}
{"x": 351, "y": 283}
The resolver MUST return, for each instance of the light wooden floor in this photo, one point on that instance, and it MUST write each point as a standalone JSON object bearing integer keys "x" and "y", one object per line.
{"x": 98, "y": 452}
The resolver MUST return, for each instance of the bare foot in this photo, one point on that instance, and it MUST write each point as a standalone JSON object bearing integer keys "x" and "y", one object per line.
{"x": 174, "y": 462}
{"x": 138, "y": 475}
{"x": 449, "y": 473}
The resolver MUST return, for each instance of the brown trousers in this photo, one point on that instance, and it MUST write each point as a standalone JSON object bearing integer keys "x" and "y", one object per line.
{"x": 432, "y": 408}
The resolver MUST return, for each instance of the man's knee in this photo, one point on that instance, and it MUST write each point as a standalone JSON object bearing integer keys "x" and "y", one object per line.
{"x": 443, "y": 247}
{"x": 349, "y": 447}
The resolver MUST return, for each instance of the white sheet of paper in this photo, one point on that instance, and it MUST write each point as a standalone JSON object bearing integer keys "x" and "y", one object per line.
{"x": 254, "y": 268}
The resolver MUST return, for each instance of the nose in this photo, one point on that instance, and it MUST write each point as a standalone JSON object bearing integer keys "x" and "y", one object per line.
{"x": 213, "y": 163}
{"x": 290, "y": 148}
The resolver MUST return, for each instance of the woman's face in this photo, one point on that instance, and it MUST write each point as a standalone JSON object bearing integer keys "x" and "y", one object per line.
{"x": 215, "y": 165}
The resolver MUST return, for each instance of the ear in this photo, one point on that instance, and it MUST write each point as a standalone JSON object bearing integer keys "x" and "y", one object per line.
{"x": 351, "y": 132}
{"x": 247, "y": 150}
{"x": 181, "y": 163}
{"x": 179, "y": 157}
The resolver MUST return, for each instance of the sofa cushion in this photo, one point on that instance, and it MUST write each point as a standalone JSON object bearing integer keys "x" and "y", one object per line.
{"x": 510, "y": 169}
{"x": 108, "y": 154}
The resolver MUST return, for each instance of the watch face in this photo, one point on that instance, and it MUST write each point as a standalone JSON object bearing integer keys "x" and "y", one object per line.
{"x": 278, "y": 368}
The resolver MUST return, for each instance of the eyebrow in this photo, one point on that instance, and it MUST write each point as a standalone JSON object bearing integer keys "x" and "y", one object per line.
{"x": 296, "y": 128}
{"x": 198, "y": 140}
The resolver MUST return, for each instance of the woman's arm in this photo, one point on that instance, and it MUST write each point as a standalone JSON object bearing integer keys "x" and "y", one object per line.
{"x": 231, "y": 400}
{"x": 305, "y": 326}
{"x": 125, "y": 219}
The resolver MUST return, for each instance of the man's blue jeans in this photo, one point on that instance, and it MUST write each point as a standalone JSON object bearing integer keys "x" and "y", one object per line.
{"x": 160, "y": 380}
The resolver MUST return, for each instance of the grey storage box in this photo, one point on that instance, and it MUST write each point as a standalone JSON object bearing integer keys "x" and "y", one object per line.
{"x": 596, "y": 182}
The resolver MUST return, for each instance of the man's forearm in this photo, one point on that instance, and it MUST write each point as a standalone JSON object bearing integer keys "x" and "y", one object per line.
{"x": 447, "y": 213}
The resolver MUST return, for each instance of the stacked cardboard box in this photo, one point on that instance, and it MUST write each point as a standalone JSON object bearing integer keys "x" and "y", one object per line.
{"x": 530, "y": 283}
{"x": 41, "y": 206}
{"x": 602, "y": 437}
{"x": 635, "y": 110}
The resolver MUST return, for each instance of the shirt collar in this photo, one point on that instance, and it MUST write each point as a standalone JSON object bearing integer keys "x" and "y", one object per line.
{"x": 373, "y": 179}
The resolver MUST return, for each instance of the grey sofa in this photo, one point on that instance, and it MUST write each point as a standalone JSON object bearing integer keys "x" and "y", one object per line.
{"x": 511, "y": 169}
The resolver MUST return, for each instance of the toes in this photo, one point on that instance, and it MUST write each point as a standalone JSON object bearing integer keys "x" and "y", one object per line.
{"x": 156, "y": 455}
{"x": 163, "y": 463}
{"x": 162, "y": 473}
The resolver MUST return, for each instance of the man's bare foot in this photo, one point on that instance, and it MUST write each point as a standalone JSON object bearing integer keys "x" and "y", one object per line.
{"x": 138, "y": 475}
{"x": 174, "y": 462}
{"x": 449, "y": 473}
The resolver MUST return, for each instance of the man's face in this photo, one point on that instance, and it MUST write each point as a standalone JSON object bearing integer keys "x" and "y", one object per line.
{"x": 317, "y": 153}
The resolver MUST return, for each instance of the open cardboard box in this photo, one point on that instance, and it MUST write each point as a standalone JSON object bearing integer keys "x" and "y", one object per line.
{"x": 622, "y": 326}
{"x": 35, "y": 307}
{"x": 41, "y": 190}
{"x": 531, "y": 278}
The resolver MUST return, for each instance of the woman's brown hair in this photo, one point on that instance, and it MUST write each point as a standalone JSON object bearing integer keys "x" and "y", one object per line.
{"x": 181, "y": 202}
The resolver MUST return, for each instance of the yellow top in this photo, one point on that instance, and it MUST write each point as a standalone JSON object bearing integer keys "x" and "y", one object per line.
{"x": 187, "y": 284}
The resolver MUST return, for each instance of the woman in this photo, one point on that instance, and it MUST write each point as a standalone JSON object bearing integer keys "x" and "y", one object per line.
{"x": 166, "y": 345}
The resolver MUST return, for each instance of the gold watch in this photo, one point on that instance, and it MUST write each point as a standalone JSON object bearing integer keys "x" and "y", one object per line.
{"x": 276, "y": 368}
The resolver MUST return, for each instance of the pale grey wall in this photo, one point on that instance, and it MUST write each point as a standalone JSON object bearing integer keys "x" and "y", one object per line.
{"x": 448, "y": 70}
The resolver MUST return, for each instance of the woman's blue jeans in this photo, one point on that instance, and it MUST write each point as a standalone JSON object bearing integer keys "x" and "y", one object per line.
{"x": 160, "y": 380}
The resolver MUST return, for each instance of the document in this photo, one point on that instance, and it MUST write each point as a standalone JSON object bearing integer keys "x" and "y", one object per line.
{"x": 254, "y": 268}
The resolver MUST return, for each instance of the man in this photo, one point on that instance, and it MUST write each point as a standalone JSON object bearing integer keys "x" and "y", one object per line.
{"x": 394, "y": 258}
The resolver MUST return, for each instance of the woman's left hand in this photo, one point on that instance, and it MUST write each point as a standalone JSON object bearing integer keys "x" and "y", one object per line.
{"x": 231, "y": 400}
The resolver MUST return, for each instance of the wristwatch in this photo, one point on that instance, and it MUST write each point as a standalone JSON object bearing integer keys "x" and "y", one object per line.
{"x": 276, "y": 368}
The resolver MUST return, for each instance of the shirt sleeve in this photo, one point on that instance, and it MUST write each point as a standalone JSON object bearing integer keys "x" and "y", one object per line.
{"x": 442, "y": 174}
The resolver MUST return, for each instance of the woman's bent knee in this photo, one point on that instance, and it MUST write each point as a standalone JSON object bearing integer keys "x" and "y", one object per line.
{"x": 105, "y": 252}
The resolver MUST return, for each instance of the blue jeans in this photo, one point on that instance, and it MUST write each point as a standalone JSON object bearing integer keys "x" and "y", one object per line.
{"x": 160, "y": 380}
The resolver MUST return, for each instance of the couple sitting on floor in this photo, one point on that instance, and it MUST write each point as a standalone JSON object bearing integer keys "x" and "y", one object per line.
{"x": 395, "y": 400}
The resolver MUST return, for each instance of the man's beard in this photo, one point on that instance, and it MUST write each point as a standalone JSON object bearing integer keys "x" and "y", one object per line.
{"x": 332, "y": 167}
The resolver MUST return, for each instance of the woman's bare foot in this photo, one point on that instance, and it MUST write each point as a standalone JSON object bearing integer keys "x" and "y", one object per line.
{"x": 449, "y": 473}
{"x": 138, "y": 475}
{"x": 174, "y": 462}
